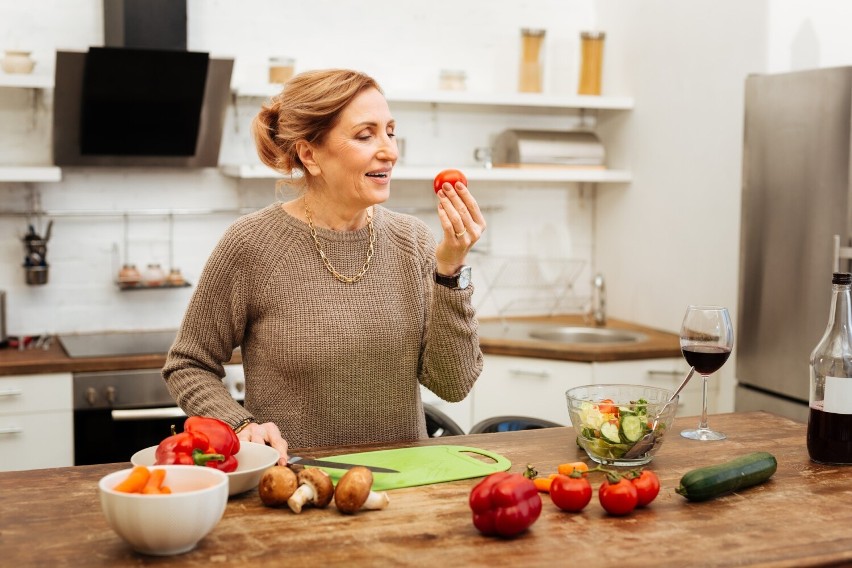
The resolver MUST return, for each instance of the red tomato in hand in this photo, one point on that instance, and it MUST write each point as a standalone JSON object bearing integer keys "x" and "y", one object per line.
{"x": 618, "y": 498}
{"x": 450, "y": 177}
{"x": 647, "y": 486}
{"x": 570, "y": 493}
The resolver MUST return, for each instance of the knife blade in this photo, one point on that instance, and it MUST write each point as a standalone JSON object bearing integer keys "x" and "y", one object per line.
{"x": 336, "y": 465}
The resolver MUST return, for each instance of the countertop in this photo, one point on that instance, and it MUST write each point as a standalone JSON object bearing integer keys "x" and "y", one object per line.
{"x": 658, "y": 344}
{"x": 797, "y": 518}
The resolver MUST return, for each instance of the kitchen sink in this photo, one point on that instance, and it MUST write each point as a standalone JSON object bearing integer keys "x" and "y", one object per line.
{"x": 586, "y": 335}
{"x": 557, "y": 333}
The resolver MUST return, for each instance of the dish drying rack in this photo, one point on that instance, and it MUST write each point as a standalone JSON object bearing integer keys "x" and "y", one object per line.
{"x": 524, "y": 285}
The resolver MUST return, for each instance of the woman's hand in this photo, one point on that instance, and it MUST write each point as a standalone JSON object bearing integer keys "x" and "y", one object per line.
{"x": 463, "y": 224}
{"x": 267, "y": 433}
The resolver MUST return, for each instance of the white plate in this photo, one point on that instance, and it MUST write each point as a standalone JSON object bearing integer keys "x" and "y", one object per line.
{"x": 252, "y": 460}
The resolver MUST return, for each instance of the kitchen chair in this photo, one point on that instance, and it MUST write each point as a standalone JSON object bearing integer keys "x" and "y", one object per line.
{"x": 439, "y": 424}
{"x": 511, "y": 423}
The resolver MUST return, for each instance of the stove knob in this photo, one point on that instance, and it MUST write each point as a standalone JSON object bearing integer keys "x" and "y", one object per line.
{"x": 91, "y": 396}
{"x": 109, "y": 394}
{"x": 239, "y": 386}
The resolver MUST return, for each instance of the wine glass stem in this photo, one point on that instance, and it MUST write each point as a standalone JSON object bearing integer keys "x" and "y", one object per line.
{"x": 703, "y": 424}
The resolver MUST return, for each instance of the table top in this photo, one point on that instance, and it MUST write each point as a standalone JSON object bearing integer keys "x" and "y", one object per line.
{"x": 797, "y": 518}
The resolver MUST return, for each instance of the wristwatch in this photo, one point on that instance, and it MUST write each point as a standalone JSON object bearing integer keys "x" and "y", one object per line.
{"x": 458, "y": 281}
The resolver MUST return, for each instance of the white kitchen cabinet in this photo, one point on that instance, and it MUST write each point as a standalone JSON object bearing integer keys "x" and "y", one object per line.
{"x": 527, "y": 386}
{"x": 36, "y": 421}
{"x": 663, "y": 373}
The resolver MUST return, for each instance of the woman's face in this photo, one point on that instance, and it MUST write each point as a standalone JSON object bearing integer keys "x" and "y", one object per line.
{"x": 359, "y": 152}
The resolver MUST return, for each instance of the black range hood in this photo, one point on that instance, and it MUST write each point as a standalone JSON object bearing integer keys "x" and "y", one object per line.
{"x": 143, "y": 99}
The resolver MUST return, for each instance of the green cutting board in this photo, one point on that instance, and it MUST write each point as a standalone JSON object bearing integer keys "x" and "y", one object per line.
{"x": 423, "y": 465}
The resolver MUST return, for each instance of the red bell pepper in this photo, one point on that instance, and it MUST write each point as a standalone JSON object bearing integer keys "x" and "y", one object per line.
{"x": 504, "y": 504}
{"x": 222, "y": 438}
{"x": 186, "y": 448}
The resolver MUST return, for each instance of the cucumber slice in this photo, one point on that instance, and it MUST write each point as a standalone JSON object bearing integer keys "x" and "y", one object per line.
{"x": 632, "y": 428}
{"x": 609, "y": 432}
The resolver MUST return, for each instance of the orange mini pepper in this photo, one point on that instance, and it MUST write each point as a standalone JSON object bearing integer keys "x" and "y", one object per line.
{"x": 569, "y": 468}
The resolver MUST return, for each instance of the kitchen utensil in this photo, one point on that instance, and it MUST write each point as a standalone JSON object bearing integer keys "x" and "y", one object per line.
{"x": 647, "y": 441}
{"x": 424, "y": 465}
{"x": 336, "y": 465}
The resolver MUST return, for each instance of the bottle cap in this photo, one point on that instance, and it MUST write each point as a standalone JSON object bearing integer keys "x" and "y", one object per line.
{"x": 841, "y": 278}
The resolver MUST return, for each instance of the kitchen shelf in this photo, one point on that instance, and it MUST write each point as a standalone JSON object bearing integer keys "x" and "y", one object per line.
{"x": 142, "y": 286}
{"x": 427, "y": 173}
{"x": 26, "y": 81}
{"x": 30, "y": 173}
{"x": 468, "y": 98}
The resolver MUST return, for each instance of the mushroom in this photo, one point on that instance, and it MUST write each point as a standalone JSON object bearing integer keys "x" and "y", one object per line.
{"x": 276, "y": 485}
{"x": 354, "y": 492}
{"x": 315, "y": 488}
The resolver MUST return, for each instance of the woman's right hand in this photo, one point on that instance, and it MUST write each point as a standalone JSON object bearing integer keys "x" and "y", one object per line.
{"x": 267, "y": 433}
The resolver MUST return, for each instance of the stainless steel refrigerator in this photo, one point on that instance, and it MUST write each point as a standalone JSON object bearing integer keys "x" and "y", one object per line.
{"x": 796, "y": 195}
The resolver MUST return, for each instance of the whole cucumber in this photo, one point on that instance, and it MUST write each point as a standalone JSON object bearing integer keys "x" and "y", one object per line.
{"x": 714, "y": 481}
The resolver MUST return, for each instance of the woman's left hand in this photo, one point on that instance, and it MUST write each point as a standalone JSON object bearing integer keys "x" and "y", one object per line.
{"x": 463, "y": 224}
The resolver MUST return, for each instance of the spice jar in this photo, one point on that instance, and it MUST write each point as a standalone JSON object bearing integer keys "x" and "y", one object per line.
{"x": 154, "y": 275}
{"x": 129, "y": 275}
{"x": 531, "y": 71}
{"x": 175, "y": 278}
{"x": 453, "y": 80}
{"x": 592, "y": 63}
{"x": 280, "y": 69}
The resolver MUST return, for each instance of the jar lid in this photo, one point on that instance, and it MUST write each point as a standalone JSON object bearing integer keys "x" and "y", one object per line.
{"x": 533, "y": 32}
{"x": 592, "y": 35}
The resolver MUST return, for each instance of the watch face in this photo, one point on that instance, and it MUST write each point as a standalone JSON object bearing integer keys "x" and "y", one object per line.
{"x": 464, "y": 277}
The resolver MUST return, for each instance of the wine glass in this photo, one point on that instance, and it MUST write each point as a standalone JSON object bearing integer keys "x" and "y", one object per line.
{"x": 706, "y": 340}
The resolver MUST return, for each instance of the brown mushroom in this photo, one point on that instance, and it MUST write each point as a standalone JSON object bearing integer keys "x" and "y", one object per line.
{"x": 354, "y": 492}
{"x": 315, "y": 488}
{"x": 276, "y": 485}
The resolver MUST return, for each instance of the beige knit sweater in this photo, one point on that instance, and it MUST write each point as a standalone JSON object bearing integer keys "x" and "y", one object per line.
{"x": 330, "y": 363}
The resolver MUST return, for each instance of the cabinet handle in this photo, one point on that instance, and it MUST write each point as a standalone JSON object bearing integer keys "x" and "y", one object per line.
{"x": 11, "y": 392}
{"x": 11, "y": 430}
{"x": 148, "y": 414}
{"x": 665, "y": 374}
{"x": 530, "y": 373}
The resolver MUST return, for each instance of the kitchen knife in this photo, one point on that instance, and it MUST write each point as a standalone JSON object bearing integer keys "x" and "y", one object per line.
{"x": 336, "y": 465}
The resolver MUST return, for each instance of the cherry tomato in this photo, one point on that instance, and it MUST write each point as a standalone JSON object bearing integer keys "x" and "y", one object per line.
{"x": 607, "y": 406}
{"x": 618, "y": 498}
{"x": 647, "y": 486}
{"x": 450, "y": 177}
{"x": 570, "y": 493}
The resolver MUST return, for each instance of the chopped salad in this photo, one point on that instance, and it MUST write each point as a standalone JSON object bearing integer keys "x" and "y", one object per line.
{"x": 609, "y": 429}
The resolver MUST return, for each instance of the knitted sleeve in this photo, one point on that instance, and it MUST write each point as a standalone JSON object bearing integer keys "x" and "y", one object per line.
{"x": 212, "y": 327}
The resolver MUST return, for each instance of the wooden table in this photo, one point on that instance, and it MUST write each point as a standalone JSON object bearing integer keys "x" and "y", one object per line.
{"x": 801, "y": 517}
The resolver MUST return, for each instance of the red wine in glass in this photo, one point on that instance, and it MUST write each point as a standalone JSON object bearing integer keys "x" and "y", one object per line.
{"x": 707, "y": 359}
{"x": 706, "y": 340}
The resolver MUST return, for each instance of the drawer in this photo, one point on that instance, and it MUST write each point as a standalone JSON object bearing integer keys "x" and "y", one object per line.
{"x": 38, "y": 440}
{"x": 35, "y": 393}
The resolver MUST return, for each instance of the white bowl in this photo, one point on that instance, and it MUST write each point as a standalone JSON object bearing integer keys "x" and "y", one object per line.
{"x": 252, "y": 460}
{"x": 167, "y": 524}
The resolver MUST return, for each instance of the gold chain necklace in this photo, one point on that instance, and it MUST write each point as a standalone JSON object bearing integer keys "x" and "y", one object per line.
{"x": 327, "y": 263}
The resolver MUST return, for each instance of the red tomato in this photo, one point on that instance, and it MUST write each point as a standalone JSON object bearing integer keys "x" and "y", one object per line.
{"x": 570, "y": 493}
{"x": 450, "y": 177}
{"x": 607, "y": 406}
{"x": 618, "y": 498}
{"x": 647, "y": 486}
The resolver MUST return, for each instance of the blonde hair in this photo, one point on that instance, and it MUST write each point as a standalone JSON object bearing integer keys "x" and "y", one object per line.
{"x": 307, "y": 107}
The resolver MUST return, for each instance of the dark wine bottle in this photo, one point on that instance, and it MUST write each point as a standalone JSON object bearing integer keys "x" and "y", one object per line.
{"x": 830, "y": 419}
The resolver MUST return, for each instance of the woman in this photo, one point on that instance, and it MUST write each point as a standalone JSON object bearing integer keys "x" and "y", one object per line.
{"x": 340, "y": 306}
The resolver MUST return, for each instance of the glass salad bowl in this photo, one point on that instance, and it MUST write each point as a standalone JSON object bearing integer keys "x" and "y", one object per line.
{"x": 621, "y": 425}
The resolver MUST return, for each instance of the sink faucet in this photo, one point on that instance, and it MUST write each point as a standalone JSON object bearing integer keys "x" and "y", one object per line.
{"x": 599, "y": 300}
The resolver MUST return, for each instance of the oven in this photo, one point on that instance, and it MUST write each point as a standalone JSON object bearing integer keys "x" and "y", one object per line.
{"x": 117, "y": 413}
